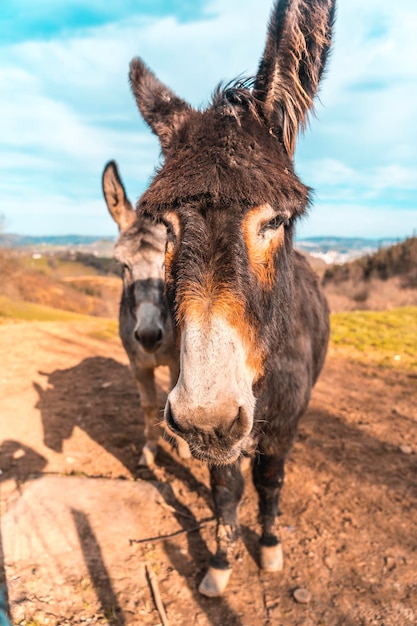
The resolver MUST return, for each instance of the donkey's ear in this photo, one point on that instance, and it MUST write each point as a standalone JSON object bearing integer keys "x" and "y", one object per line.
{"x": 297, "y": 45}
{"x": 114, "y": 193}
{"x": 160, "y": 107}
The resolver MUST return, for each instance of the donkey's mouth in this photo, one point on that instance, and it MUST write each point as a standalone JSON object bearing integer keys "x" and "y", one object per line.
{"x": 215, "y": 456}
{"x": 217, "y": 446}
{"x": 213, "y": 453}
{"x": 151, "y": 349}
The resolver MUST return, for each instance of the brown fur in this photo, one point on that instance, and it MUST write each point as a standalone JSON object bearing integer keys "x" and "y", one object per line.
{"x": 261, "y": 255}
{"x": 200, "y": 303}
{"x": 298, "y": 41}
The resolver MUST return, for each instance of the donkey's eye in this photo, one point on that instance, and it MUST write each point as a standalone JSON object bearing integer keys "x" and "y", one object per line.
{"x": 275, "y": 223}
{"x": 171, "y": 237}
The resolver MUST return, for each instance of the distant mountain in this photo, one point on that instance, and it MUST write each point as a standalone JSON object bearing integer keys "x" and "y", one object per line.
{"x": 51, "y": 244}
{"x": 15, "y": 241}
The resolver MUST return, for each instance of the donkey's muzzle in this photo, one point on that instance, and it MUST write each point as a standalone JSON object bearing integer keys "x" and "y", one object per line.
{"x": 149, "y": 337}
{"x": 219, "y": 444}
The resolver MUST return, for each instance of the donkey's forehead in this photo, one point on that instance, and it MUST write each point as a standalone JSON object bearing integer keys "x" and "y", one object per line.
{"x": 142, "y": 237}
{"x": 220, "y": 161}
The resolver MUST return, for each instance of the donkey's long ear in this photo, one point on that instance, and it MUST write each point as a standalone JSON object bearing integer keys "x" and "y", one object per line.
{"x": 159, "y": 106}
{"x": 297, "y": 45}
{"x": 115, "y": 196}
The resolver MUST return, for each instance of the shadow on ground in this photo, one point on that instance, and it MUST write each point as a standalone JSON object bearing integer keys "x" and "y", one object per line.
{"x": 99, "y": 396}
{"x": 18, "y": 463}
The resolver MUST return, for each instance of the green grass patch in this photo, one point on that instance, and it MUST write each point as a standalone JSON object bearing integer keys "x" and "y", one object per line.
{"x": 40, "y": 265}
{"x": 102, "y": 329}
{"x": 75, "y": 268}
{"x": 388, "y": 338}
{"x": 30, "y": 312}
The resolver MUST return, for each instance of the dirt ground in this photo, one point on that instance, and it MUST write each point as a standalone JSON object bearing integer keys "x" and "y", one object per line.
{"x": 73, "y": 498}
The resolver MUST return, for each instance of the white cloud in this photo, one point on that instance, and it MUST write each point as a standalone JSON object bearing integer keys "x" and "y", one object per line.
{"x": 355, "y": 219}
{"x": 333, "y": 174}
{"x": 55, "y": 214}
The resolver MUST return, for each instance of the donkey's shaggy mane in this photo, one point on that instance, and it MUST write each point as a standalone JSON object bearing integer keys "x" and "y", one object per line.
{"x": 236, "y": 95}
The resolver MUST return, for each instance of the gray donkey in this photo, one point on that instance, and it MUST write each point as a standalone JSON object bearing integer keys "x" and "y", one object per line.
{"x": 144, "y": 322}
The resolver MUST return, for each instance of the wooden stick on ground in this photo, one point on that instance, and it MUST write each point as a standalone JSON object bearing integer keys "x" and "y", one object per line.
{"x": 156, "y": 595}
{"x": 185, "y": 531}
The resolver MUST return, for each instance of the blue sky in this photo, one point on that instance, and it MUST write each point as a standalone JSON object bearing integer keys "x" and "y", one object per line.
{"x": 66, "y": 108}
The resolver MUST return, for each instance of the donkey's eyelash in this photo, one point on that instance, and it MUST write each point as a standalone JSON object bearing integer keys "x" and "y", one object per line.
{"x": 274, "y": 224}
{"x": 170, "y": 233}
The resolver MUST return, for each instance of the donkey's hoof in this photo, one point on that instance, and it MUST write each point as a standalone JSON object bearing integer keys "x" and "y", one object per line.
{"x": 147, "y": 458}
{"x": 214, "y": 582}
{"x": 272, "y": 559}
{"x": 183, "y": 449}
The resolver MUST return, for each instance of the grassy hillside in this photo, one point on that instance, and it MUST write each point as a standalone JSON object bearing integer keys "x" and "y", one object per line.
{"x": 399, "y": 260}
{"x": 15, "y": 311}
{"x": 386, "y": 279}
{"x": 19, "y": 310}
{"x": 80, "y": 283}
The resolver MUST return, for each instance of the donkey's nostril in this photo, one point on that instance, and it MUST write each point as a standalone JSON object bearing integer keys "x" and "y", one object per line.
{"x": 239, "y": 424}
{"x": 171, "y": 421}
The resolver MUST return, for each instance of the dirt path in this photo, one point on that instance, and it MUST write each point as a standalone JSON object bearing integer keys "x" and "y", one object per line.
{"x": 72, "y": 498}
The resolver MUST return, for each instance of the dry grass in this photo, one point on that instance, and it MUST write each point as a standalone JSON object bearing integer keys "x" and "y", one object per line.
{"x": 19, "y": 310}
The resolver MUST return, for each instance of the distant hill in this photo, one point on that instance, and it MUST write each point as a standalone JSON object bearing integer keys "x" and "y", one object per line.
{"x": 398, "y": 260}
{"x": 330, "y": 249}
{"x": 69, "y": 279}
{"x": 12, "y": 240}
{"x": 100, "y": 246}
{"x": 384, "y": 279}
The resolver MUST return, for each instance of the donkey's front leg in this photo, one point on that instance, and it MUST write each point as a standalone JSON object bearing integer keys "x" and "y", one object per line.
{"x": 227, "y": 488}
{"x": 268, "y": 478}
{"x": 145, "y": 380}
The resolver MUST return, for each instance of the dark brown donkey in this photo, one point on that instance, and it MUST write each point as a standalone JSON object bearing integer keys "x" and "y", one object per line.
{"x": 252, "y": 323}
{"x": 145, "y": 325}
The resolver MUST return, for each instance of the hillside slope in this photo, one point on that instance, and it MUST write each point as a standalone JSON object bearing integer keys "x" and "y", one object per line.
{"x": 383, "y": 280}
{"x": 77, "y": 283}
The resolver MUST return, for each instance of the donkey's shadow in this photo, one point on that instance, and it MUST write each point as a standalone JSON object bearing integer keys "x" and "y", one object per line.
{"x": 99, "y": 396}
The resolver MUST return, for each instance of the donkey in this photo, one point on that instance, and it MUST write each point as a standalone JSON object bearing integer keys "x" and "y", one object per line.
{"x": 251, "y": 320}
{"x": 145, "y": 326}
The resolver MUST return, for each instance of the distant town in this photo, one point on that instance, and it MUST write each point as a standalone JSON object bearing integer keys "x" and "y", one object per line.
{"x": 329, "y": 249}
